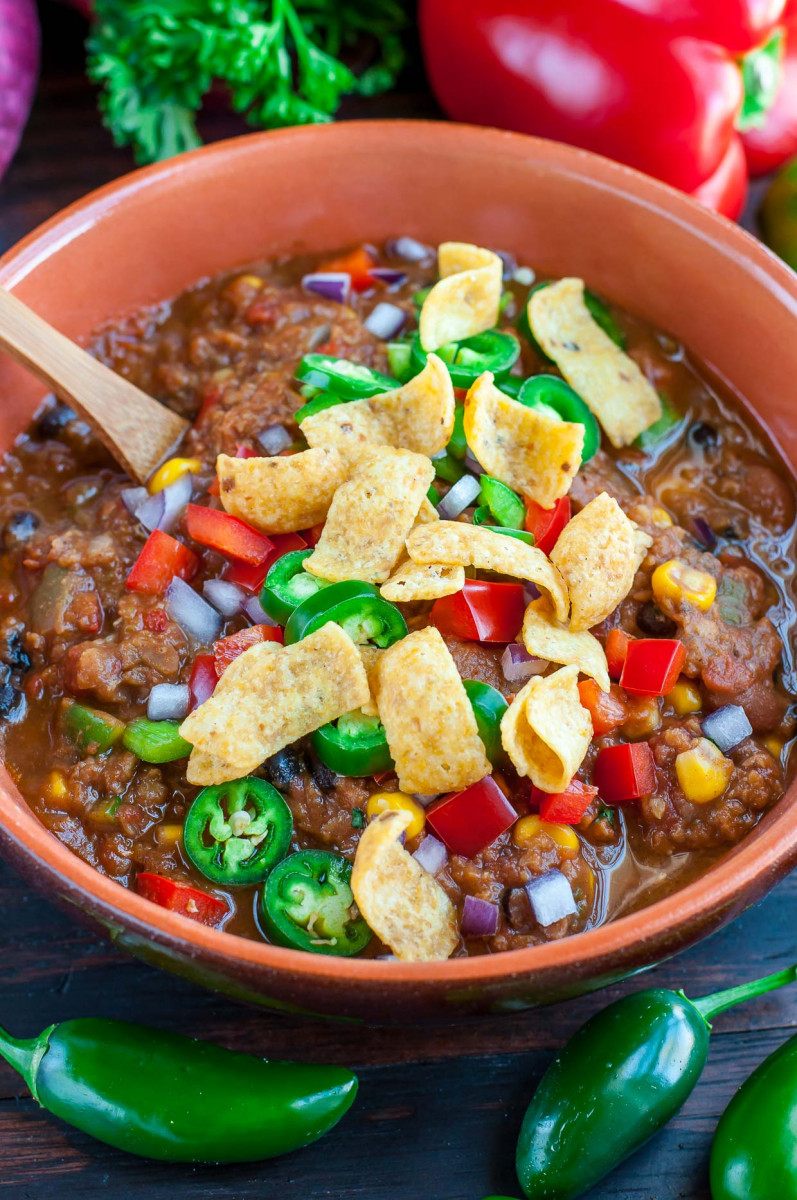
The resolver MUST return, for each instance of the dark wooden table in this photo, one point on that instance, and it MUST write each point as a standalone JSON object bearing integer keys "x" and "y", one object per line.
{"x": 439, "y": 1109}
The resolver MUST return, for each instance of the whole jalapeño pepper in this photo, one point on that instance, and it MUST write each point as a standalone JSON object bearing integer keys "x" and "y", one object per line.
{"x": 169, "y": 1097}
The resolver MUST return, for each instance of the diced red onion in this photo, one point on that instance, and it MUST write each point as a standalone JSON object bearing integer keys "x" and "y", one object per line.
{"x": 255, "y": 612}
{"x": 332, "y": 285}
{"x": 275, "y": 439}
{"x": 509, "y": 261}
{"x": 162, "y": 510}
{"x": 479, "y": 918}
{"x": 524, "y": 276}
{"x": 227, "y": 597}
{"x": 385, "y": 321}
{"x": 704, "y": 533}
{"x": 425, "y": 799}
{"x": 409, "y": 249}
{"x": 194, "y": 615}
{"x": 133, "y": 498}
{"x": 459, "y": 497}
{"x": 168, "y": 702}
{"x": 727, "y": 726}
{"x": 518, "y": 665}
{"x": 431, "y": 854}
{"x": 319, "y": 335}
{"x": 388, "y": 275}
{"x": 551, "y": 897}
{"x": 151, "y": 511}
{"x": 531, "y": 592}
{"x": 472, "y": 463}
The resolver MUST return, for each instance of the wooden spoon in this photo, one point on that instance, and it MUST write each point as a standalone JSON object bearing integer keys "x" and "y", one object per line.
{"x": 138, "y": 431}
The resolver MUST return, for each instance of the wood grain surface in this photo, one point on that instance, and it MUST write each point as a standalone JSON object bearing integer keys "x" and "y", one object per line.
{"x": 439, "y": 1109}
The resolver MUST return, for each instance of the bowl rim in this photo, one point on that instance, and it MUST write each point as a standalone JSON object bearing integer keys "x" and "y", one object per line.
{"x": 765, "y": 854}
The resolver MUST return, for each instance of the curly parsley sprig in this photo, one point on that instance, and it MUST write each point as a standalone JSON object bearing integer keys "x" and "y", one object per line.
{"x": 155, "y": 60}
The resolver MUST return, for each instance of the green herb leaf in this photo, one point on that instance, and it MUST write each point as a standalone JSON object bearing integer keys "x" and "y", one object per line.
{"x": 155, "y": 61}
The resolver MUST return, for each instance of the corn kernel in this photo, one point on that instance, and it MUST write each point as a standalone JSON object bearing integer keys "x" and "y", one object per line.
{"x": 674, "y": 580}
{"x": 171, "y": 471}
{"x": 382, "y": 802}
{"x": 685, "y": 698}
{"x": 253, "y": 280}
{"x": 774, "y": 745}
{"x": 529, "y": 828}
{"x": 661, "y": 517}
{"x": 703, "y": 772}
{"x": 56, "y": 786}
{"x": 168, "y": 835}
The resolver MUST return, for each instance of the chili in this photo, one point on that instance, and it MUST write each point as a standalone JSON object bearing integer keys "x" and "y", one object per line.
{"x": 236, "y": 832}
{"x": 307, "y": 904}
{"x": 164, "y": 1096}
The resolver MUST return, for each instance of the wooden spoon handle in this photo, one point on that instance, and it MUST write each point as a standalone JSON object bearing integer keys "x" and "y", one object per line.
{"x": 137, "y": 430}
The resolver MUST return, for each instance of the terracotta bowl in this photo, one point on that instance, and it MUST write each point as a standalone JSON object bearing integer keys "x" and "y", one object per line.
{"x": 153, "y": 233}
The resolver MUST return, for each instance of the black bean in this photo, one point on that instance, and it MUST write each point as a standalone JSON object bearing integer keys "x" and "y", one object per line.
{"x": 12, "y": 703}
{"x": 13, "y": 653}
{"x": 284, "y": 766}
{"x": 20, "y": 528}
{"x": 324, "y": 779}
{"x": 652, "y": 621}
{"x": 705, "y": 436}
{"x": 52, "y": 422}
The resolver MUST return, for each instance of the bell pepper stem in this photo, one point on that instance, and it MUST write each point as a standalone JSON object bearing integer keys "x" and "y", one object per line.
{"x": 711, "y": 1006}
{"x": 25, "y": 1054}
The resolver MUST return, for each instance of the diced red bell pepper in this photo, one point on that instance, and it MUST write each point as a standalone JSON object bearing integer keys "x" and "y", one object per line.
{"x": 616, "y": 646}
{"x": 606, "y": 709}
{"x": 229, "y": 648}
{"x": 180, "y": 898}
{"x": 251, "y": 577}
{"x": 547, "y": 523}
{"x": 357, "y": 263}
{"x": 625, "y": 772}
{"x": 482, "y": 612}
{"x": 161, "y": 558}
{"x": 568, "y": 807}
{"x": 312, "y": 535}
{"x": 652, "y": 666}
{"x": 229, "y": 535}
{"x": 470, "y": 821}
{"x": 203, "y": 680}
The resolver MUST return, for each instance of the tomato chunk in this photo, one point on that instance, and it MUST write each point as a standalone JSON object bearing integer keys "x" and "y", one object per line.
{"x": 180, "y": 898}
{"x": 161, "y": 558}
{"x": 482, "y": 612}
{"x": 652, "y": 666}
{"x": 625, "y": 772}
{"x": 617, "y": 641}
{"x": 229, "y": 535}
{"x": 357, "y": 263}
{"x": 606, "y": 709}
{"x": 203, "y": 680}
{"x": 470, "y": 821}
{"x": 229, "y": 648}
{"x": 567, "y": 807}
{"x": 547, "y": 523}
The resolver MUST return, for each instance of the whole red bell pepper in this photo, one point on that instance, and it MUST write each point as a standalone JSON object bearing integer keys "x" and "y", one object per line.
{"x": 666, "y": 87}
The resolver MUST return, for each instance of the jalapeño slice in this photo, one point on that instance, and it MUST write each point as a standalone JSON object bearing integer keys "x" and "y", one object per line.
{"x": 348, "y": 380}
{"x": 354, "y": 745}
{"x": 594, "y": 305}
{"x": 488, "y": 707}
{"x": 308, "y": 904}
{"x": 554, "y": 396}
{"x": 492, "y": 350}
{"x": 506, "y": 507}
{"x": 356, "y": 606}
{"x": 236, "y": 832}
{"x": 288, "y": 585}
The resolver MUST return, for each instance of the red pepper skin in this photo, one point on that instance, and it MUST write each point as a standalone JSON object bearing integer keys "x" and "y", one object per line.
{"x": 616, "y": 648}
{"x": 161, "y": 558}
{"x": 180, "y": 898}
{"x": 547, "y": 523}
{"x": 470, "y": 821}
{"x": 568, "y": 807}
{"x": 226, "y": 650}
{"x": 625, "y": 772}
{"x": 358, "y": 264}
{"x": 203, "y": 680}
{"x": 652, "y": 666}
{"x": 776, "y": 140}
{"x": 228, "y": 535}
{"x": 606, "y": 709}
{"x": 253, "y": 576}
{"x": 660, "y": 90}
{"x": 482, "y": 612}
